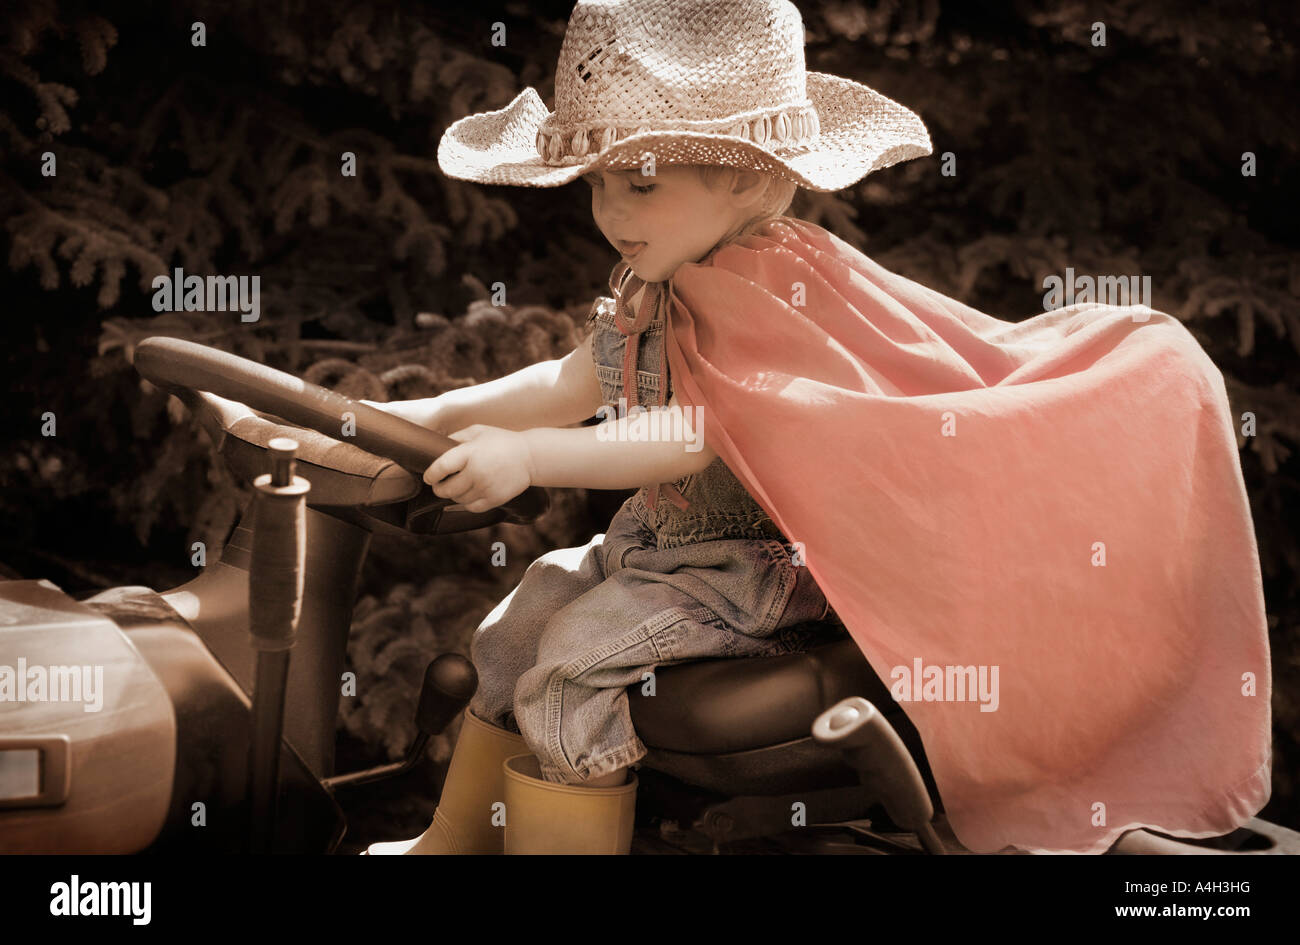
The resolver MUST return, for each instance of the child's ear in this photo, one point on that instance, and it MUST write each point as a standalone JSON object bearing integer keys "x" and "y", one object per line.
{"x": 746, "y": 187}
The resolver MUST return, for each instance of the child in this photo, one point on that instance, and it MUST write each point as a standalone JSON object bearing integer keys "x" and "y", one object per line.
{"x": 697, "y": 570}
{"x": 836, "y": 405}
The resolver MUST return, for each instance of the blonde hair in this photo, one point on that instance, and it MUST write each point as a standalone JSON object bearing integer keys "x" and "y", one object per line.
{"x": 778, "y": 193}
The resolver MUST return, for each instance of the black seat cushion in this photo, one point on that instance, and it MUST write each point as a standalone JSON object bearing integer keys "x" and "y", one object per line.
{"x": 711, "y": 707}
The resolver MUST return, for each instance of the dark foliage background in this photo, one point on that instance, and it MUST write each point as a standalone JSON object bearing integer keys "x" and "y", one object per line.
{"x": 224, "y": 159}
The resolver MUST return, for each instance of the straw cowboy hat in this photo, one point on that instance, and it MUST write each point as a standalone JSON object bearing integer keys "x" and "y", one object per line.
{"x": 690, "y": 82}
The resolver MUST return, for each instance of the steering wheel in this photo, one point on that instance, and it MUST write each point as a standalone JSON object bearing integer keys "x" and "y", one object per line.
{"x": 185, "y": 366}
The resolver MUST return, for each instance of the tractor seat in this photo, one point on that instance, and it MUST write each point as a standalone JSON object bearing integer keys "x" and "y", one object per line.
{"x": 718, "y": 706}
{"x": 744, "y": 725}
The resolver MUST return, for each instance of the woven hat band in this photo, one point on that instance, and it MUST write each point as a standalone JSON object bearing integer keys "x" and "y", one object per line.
{"x": 778, "y": 129}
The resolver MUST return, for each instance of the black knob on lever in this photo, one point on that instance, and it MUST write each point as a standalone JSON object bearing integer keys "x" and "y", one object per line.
{"x": 870, "y": 745}
{"x": 449, "y": 683}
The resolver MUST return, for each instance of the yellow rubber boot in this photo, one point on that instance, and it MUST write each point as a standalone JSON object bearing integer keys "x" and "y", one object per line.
{"x": 475, "y": 781}
{"x": 547, "y": 817}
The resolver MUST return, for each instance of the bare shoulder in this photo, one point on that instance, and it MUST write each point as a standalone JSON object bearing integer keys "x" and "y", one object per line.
{"x": 607, "y": 306}
{"x": 633, "y": 303}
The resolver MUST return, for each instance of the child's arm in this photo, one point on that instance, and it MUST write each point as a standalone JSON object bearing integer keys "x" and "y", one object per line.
{"x": 492, "y": 466}
{"x": 548, "y": 393}
{"x": 619, "y": 453}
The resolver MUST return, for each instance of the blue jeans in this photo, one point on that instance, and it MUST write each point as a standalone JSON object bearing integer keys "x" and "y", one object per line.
{"x": 554, "y": 658}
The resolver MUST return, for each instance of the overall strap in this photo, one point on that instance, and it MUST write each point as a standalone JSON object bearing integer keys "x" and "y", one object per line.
{"x": 624, "y": 284}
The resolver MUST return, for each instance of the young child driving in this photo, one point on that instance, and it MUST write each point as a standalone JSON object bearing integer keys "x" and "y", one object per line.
{"x": 699, "y": 572}
{"x": 691, "y": 566}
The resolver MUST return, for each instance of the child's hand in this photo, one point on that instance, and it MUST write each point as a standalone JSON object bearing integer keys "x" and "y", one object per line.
{"x": 491, "y": 466}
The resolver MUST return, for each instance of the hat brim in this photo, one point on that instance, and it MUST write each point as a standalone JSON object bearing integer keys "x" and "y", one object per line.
{"x": 861, "y": 131}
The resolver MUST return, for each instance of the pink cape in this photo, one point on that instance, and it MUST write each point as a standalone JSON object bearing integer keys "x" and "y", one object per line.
{"x": 1060, "y": 499}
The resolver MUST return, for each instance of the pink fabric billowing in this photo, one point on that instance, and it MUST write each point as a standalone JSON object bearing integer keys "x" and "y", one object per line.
{"x": 1084, "y": 527}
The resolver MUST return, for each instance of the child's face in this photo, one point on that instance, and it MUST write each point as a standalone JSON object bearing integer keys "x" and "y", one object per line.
{"x": 659, "y": 222}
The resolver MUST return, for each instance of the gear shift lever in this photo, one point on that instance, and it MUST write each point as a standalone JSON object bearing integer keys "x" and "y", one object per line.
{"x": 275, "y": 585}
{"x": 449, "y": 684}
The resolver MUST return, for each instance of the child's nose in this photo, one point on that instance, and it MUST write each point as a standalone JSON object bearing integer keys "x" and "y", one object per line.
{"x": 614, "y": 206}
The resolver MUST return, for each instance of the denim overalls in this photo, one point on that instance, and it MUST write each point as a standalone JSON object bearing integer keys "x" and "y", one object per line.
{"x": 662, "y": 585}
